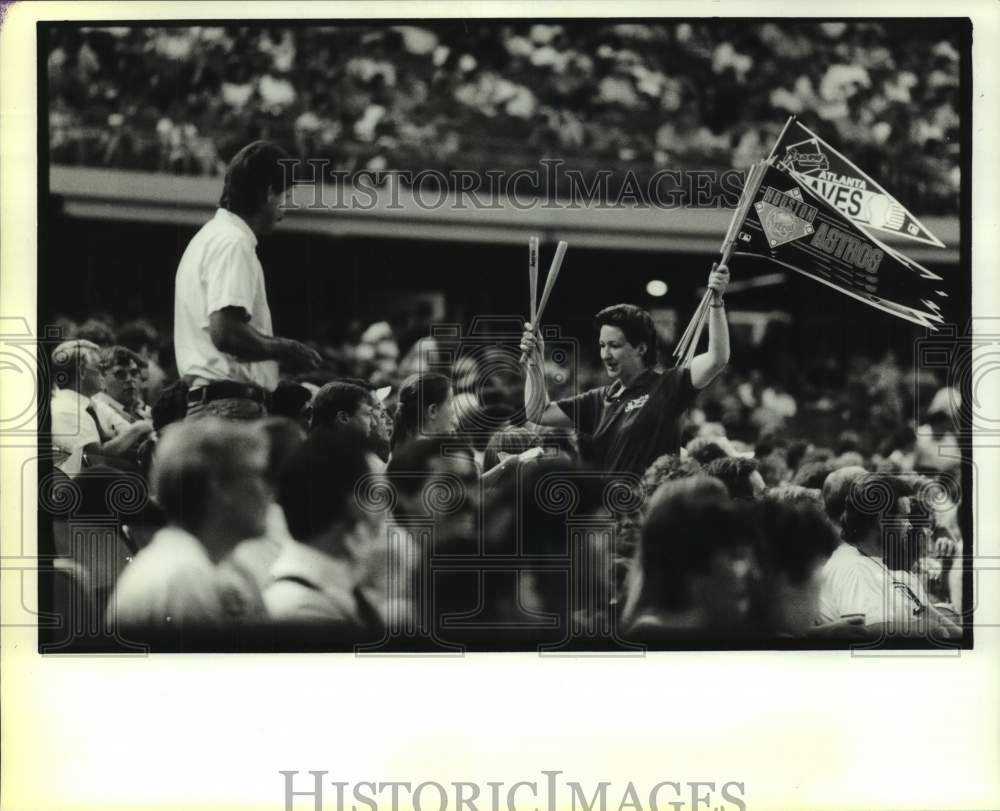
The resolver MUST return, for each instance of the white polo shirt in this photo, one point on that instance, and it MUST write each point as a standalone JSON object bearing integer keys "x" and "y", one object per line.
{"x": 220, "y": 269}
{"x": 72, "y": 427}
{"x": 853, "y": 583}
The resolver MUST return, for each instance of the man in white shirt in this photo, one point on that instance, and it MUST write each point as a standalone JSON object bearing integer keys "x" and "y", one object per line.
{"x": 75, "y": 427}
{"x": 223, "y": 338}
{"x": 209, "y": 478}
{"x": 857, "y": 584}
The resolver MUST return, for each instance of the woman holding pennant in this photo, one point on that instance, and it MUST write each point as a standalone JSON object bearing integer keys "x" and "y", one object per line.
{"x": 629, "y": 423}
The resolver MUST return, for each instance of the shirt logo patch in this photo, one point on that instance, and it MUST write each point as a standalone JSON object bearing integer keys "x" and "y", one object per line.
{"x": 638, "y": 402}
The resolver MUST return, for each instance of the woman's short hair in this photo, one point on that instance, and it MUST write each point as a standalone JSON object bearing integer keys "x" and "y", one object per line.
{"x": 253, "y": 171}
{"x": 635, "y": 322}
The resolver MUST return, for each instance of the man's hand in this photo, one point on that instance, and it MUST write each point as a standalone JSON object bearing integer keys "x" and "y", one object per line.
{"x": 532, "y": 343}
{"x": 718, "y": 281}
{"x": 299, "y": 356}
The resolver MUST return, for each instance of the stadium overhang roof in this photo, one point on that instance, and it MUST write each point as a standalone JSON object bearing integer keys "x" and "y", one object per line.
{"x": 394, "y": 211}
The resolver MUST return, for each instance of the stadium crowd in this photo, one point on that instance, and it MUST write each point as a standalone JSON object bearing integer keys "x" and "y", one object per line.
{"x": 627, "y": 96}
{"x": 390, "y": 503}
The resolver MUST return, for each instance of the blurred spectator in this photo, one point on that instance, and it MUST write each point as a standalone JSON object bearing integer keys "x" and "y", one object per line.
{"x": 740, "y": 475}
{"x": 209, "y": 478}
{"x": 316, "y": 576}
{"x": 858, "y": 581}
{"x": 796, "y": 540}
{"x": 695, "y": 566}
{"x": 425, "y": 408}
{"x": 76, "y": 430}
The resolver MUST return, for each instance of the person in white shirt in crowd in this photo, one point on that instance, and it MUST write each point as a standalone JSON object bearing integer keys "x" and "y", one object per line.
{"x": 246, "y": 572}
{"x": 209, "y": 477}
{"x": 873, "y": 512}
{"x": 119, "y": 405}
{"x": 75, "y": 427}
{"x": 223, "y": 336}
{"x": 320, "y": 577}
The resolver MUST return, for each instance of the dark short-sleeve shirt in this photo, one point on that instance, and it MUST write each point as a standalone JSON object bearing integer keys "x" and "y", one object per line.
{"x": 626, "y": 429}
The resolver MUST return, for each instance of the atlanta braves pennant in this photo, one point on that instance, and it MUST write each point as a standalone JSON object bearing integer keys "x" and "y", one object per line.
{"x": 820, "y": 167}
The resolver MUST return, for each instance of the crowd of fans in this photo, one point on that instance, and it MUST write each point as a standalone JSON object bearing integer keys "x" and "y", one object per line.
{"x": 393, "y": 505}
{"x": 639, "y": 96}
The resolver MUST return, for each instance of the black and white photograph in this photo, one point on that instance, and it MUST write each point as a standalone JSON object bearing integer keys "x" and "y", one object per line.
{"x": 506, "y": 335}
{"x": 499, "y": 406}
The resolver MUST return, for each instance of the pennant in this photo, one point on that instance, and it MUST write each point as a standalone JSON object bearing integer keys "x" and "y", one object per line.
{"x": 820, "y": 167}
{"x": 793, "y": 226}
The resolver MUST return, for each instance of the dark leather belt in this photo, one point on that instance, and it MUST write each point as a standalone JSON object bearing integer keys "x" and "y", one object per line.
{"x": 225, "y": 389}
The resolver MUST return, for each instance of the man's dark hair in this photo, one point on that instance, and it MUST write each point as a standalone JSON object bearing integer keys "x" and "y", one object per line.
{"x": 734, "y": 472}
{"x": 284, "y": 436}
{"x": 635, "y": 322}
{"x": 318, "y": 481}
{"x": 139, "y": 333}
{"x": 409, "y": 468}
{"x": 120, "y": 356}
{"x": 869, "y": 500}
{"x": 333, "y": 398}
{"x": 253, "y": 171}
{"x": 795, "y": 536}
{"x": 667, "y": 468}
{"x": 689, "y": 523}
{"x": 704, "y": 449}
{"x": 813, "y": 474}
{"x": 96, "y": 331}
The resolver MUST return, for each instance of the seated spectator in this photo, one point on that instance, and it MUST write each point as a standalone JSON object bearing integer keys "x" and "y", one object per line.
{"x": 796, "y": 541}
{"x": 541, "y": 605}
{"x": 209, "y": 479}
{"x": 425, "y": 408}
{"x": 857, "y": 582}
{"x": 75, "y": 428}
{"x": 380, "y": 436}
{"x": 507, "y": 442}
{"x": 668, "y": 467}
{"x": 705, "y": 449}
{"x": 436, "y": 483}
{"x": 97, "y": 332}
{"x": 142, "y": 338}
{"x": 695, "y": 566}
{"x": 740, "y": 475}
{"x": 318, "y": 576}
{"x": 119, "y": 404}
{"x": 247, "y": 569}
{"x": 812, "y": 474}
{"x": 340, "y": 405}
{"x": 796, "y": 495}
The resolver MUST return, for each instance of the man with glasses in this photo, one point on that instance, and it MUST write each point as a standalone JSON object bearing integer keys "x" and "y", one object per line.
{"x": 76, "y": 428}
{"x": 120, "y": 404}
